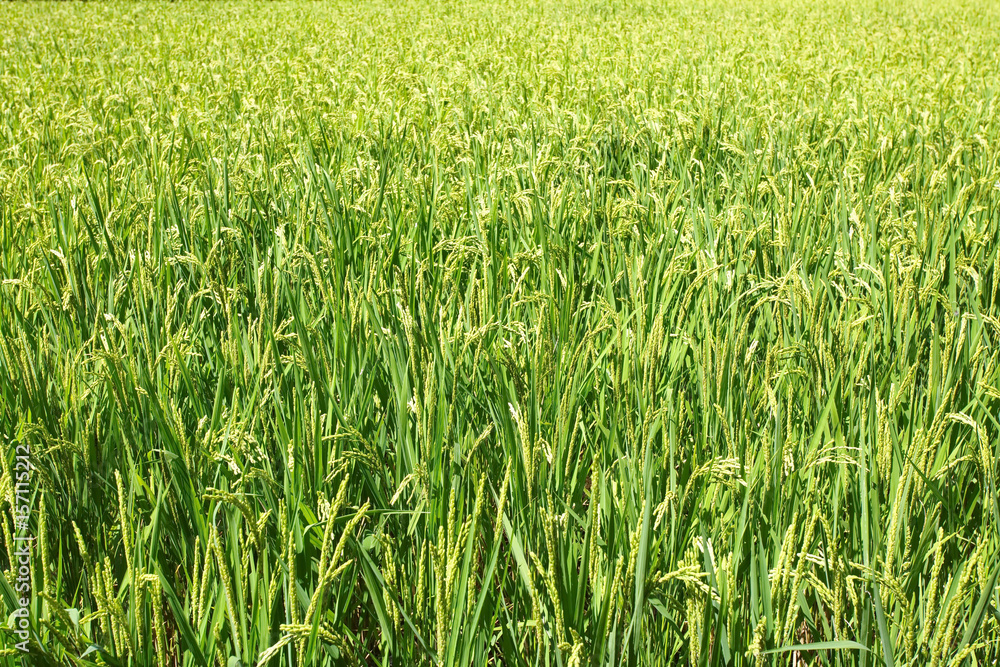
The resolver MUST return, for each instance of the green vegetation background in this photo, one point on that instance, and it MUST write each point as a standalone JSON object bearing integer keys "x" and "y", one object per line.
{"x": 564, "y": 332}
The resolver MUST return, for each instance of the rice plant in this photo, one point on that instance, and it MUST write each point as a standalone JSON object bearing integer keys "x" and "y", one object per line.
{"x": 557, "y": 332}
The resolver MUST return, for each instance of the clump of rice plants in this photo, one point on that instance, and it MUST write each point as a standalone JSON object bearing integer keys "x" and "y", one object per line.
{"x": 551, "y": 333}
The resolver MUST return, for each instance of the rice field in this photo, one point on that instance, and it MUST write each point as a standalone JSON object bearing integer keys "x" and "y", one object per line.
{"x": 557, "y": 332}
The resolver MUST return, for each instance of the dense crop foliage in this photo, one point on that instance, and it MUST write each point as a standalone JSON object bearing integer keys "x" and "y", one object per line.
{"x": 568, "y": 333}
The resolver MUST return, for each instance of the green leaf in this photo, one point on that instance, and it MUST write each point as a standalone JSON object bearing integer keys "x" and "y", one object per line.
{"x": 844, "y": 644}
{"x": 180, "y": 617}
